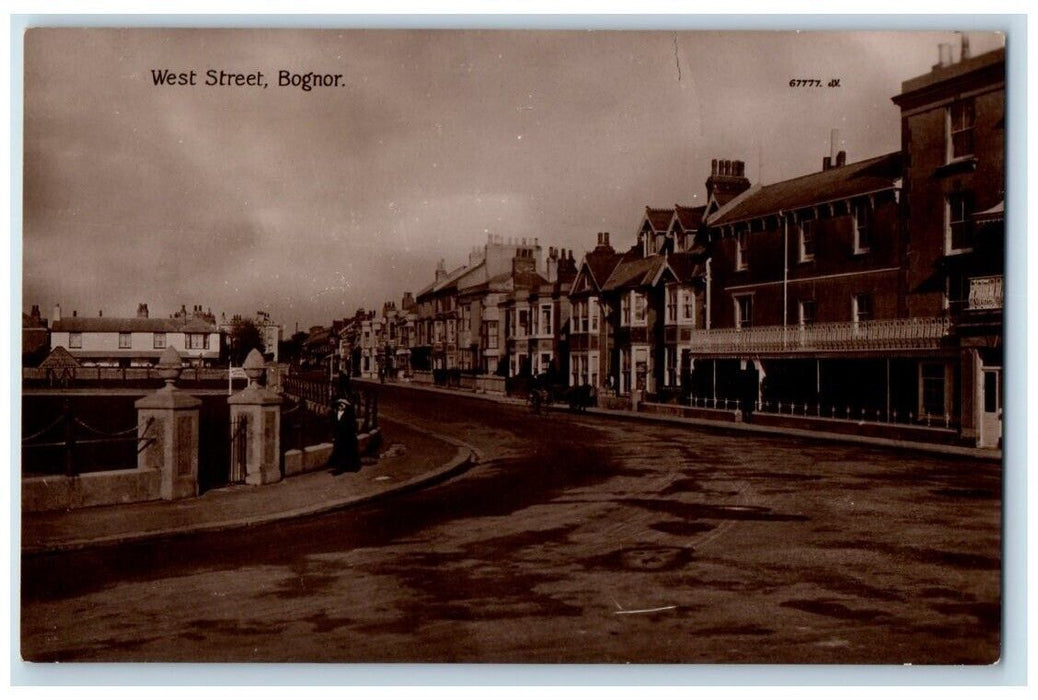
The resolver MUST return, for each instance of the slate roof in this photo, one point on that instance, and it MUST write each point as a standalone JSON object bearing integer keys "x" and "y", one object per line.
{"x": 529, "y": 280}
{"x": 689, "y": 217}
{"x": 634, "y": 271}
{"x": 601, "y": 262}
{"x": 687, "y": 266}
{"x": 448, "y": 283}
{"x": 659, "y": 218}
{"x": 865, "y": 176}
{"x": 101, "y": 324}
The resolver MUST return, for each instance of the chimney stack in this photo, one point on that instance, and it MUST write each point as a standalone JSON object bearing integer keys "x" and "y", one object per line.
{"x": 965, "y": 47}
{"x": 841, "y": 159}
{"x": 56, "y": 316}
{"x": 727, "y": 179}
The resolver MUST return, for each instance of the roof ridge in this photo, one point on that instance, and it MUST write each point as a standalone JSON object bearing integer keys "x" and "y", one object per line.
{"x": 831, "y": 169}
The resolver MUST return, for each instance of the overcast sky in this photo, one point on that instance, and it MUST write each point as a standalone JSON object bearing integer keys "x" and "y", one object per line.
{"x": 312, "y": 204}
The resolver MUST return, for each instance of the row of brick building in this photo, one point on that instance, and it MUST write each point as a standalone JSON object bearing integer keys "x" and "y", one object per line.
{"x": 869, "y": 290}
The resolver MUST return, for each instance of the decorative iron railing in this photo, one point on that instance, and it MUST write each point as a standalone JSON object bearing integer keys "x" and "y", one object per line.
{"x": 888, "y": 334}
{"x": 814, "y": 409}
{"x": 985, "y": 292}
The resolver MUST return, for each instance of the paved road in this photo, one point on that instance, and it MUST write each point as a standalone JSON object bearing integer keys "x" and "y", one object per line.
{"x": 578, "y": 539}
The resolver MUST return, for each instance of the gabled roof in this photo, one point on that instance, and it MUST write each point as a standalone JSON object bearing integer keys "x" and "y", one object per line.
{"x": 59, "y": 358}
{"x": 687, "y": 266}
{"x": 100, "y": 324}
{"x": 634, "y": 271}
{"x": 600, "y": 263}
{"x": 689, "y": 217}
{"x": 659, "y": 219}
{"x": 872, "y": 175}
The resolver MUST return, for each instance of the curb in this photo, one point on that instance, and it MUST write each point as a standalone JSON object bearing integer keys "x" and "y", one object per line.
{"x": 931, "y": 448}
{"x": 464, "y": 458}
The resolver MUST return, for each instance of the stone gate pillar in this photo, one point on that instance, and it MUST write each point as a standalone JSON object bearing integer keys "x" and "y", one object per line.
{"x": 168, "y": 425}
{"x": 261, "y": 408}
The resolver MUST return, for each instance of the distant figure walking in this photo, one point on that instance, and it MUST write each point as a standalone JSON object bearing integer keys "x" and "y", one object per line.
{"x": 344, "y": 457}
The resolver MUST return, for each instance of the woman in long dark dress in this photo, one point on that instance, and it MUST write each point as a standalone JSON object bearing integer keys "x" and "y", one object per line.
{"x": 344, "y": 457}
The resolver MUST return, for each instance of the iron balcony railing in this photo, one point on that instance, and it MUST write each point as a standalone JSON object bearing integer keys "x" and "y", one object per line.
{"x": 985, "y": 292}
{"x": 888, "y": 334}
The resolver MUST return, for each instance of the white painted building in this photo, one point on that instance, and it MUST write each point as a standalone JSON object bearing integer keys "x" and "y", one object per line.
{"x": 101, "y": 341}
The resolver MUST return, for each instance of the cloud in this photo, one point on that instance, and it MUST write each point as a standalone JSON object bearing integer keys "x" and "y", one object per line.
{"x": 310, "y": 204}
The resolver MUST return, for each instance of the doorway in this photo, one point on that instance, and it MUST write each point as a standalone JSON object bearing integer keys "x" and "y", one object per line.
{"x": 991, "y": 407}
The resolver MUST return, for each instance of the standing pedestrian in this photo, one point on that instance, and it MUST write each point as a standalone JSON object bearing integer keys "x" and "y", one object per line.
{"x": 344, "y": 457}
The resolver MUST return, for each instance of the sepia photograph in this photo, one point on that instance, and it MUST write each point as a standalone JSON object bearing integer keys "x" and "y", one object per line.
{"x": 512, "y": 346}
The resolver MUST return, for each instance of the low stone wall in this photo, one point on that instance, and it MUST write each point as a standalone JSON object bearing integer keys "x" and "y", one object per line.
{"x": 614, "y": 403}
{"x": 490, "y": 384}
{"x": 669, "y": 409}
{"x": 422, "y": 377}
{"x": 314, "y": 457}
{"x": 43, "y": 493}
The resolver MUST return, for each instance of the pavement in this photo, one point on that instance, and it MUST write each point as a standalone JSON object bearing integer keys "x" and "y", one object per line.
{"x": 425, "y": 458}
{"x": 915, "y": 446}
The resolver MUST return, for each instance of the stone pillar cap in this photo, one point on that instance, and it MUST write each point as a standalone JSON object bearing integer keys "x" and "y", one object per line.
{"x": 170, "y": 357}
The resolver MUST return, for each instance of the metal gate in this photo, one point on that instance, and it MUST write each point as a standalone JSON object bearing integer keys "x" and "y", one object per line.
{"x": 239, "y": 450}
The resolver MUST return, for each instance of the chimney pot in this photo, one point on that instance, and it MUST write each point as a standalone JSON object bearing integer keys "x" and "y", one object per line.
{"x": 713, "y": 166}
{"x": 827, "y": 163}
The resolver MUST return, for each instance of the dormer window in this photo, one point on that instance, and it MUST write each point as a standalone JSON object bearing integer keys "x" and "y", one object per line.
{"x": 961, "y": 117}
{"x": 678, "y": 237}
{"x": 648, "y": 237}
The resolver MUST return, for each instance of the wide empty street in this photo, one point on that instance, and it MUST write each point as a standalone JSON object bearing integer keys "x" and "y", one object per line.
{"x": 577, "y": 538}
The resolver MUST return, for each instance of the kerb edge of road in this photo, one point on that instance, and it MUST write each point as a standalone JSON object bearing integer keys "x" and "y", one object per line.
{"x": 464, "y": 459}
{"x": 611, "y": 414}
